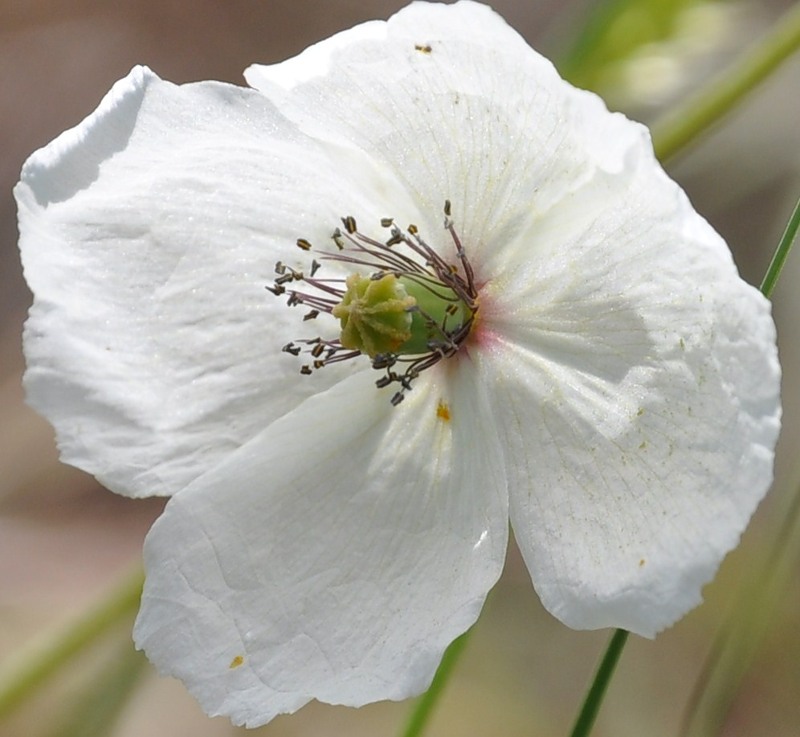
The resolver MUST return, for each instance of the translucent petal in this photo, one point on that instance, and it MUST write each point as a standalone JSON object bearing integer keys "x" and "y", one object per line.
{"x": 149, "y": 234}
{"x": 636, "y": 392}
{"x": 334, "y": 556}
{"x": 453, "y": 100}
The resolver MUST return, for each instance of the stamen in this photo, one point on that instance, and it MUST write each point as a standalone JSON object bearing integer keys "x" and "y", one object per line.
{"x": 413, "y": 307}
{"x": 394, "y": 240}
{"x": 285, "y": 279}
{"x": 384, "y": 361}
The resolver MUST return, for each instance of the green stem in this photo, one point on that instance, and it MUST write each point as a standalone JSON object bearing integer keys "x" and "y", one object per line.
{"x": 701, "y": 110}
{"x": 424, "y": 707}
{"x": 594, "y": 698}
{"x": 781, "y": 253}
{"x": 20, "y": 677}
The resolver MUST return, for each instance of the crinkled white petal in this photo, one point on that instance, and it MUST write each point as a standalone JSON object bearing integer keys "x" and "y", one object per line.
{"x": 149, "y": 234}
{"x": 453, "y": 100}
{"x": 334, "y": 556}
{"x": 636, "y": 383}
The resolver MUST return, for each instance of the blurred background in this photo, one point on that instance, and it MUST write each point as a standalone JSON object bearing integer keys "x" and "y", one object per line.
{"x": 64, "y": 541}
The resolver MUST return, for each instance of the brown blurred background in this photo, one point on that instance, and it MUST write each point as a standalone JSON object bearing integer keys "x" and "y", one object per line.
{"x": 63, "y": 540}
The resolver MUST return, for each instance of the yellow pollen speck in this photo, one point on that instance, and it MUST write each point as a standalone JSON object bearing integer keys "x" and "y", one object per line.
{"x": 443, "y": 411}
{"x": 236, "y": 662}
{"x": 424, "y": 48}
{"x": 641, "y": 562}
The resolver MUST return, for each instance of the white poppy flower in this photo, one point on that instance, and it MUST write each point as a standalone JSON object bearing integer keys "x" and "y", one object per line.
{"x": 605, "y": 380}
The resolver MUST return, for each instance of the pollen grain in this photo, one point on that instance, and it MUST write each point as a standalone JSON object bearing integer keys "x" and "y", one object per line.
{"x": 443, "y": 411}
{"x": 236, "y": 662}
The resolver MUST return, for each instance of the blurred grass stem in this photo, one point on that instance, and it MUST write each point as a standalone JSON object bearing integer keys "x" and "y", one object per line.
{"x": 424, "y": 707}
{"x": 599, "y": 17}
{"x": 96, "y": 710}
{"x": 28, "y": 669}
{"x": 738, "y": 640}
{"x": 701, "y": 110}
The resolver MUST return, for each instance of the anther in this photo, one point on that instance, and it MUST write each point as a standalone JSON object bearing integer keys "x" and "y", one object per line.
{"x": 318, "y": 350}
{"x": 447, "y": 208}
{"x": 384, "y": 381}
{"x": 384, "y": 360}
{"x": 305, "y": 370}
{"x": 291, "y": 348}
{"x": 349, "y": 223}
{"x": 315, "y": 267}
{"x": 387, "y": 222}
{"x": 303, "y": 244}
{"x": 397, "y": 398}
{"x": 413, "y": 229}
{"x": 310, "y": 315}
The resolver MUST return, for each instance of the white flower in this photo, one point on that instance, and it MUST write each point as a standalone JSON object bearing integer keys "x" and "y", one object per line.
{"x": 614, "y": 389}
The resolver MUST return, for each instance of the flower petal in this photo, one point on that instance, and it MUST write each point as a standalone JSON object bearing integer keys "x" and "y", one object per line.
{"x": 636, "y": 383}
{"x": 148, "y": 235}
{"x": 334, "y": 556}
{"x": 455, "y": 101}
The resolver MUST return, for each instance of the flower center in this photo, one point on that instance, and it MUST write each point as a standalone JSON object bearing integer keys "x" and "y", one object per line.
{"x": 411, "y": 310}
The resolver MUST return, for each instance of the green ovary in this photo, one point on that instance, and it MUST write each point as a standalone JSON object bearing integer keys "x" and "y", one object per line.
{"x": 374, "y": 314}
{"x": 397, "y": 314}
